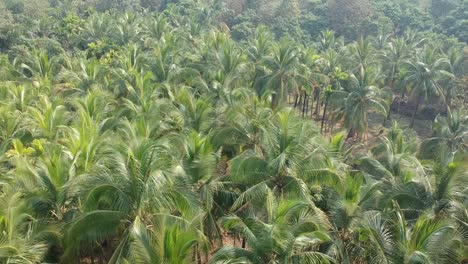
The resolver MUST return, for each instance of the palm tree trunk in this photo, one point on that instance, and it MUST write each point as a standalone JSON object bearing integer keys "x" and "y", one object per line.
{"x": 324, "y": 114}
{"x": 296, "y": 100}
{"x": 317, "y": 105}
{"x": 415, "y": 111}
{"x": 198, "y": 255}
{"x": 350, "y": 133}
{"x": 387, "y": 118}
{"x": 449, "y": 102}
{"x": 312, "y": 105}
{"x": 389, "y": 114}
{"x": 300, "y": 100}
{"x": 304, "y": 104}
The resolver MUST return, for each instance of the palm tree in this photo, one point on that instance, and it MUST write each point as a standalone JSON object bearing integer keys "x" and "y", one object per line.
{"x": 418, "y": 243}
{"x": 327, "y": 40}
{"x": 285, "y": 156}
{"x": 281, "y": 73}
{"x": 47, "y": 118}
{"x": 242, "y": 126}
{"x": 428, "y": 240}
{"x": 21, "y": 240}
{"x": 310, "y": 77}
{"x": 393, "y": 159}
{"x": 200, "y": 169}
{"x": 424, "y": 76}
{"x": 331, "y": 67}
{"x": 449, "y": 182}
{"x": 10, "y": 127}
{"x": 86, "y": 74}
{"x": 393, "y": 163}
{"x": 40, "y": 68}
{"x": 291, "y": 233}
{"x": 171, "y": 239}
{"x": 197, "y": 112}
{"x": 456, "y": 67}
{"x": 127, "y": 29}
{"x": 157, "y": 27}
{"x": 450, "y": 132}
{"x": 359, "y": 96}
{"x": 345, "y": 205}
{"x": 394, "y": 56}
{"x": 164, "y": 60}
{"x": 363, "y": 54}
{"x": 131, "y": 187}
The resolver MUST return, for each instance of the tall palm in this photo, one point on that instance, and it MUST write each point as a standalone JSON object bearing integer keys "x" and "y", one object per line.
{"x": 127, "y": 29}
{"x": 359, "y": 96}
{"x": 243, "y": 125}
{"x": 327, "y": 40}
{"x": 427, "y": 240}
{"x": 346, "y": 205}
{"x": 200, "y": 171}
{"x": 393, "y": 159}
{"x": 85, "y": 74}
{"x": 10, "y": 127}
{"x": 40, "y": 68}
{"x": 281, "y": 73}
{"x": 450, "y": 132}
{"x": 18, "y": 246}
{"x": 394, "y": 164}
{"x": 331, "y": 66}
{"x": 292, "y": 232}
{"x": 456, "y": 67}
{"x": 286, "y": 157}
{"x": 310, "y": 77}
{"x": 424, "y": 75}
{"x": 363, "y": 54}
{"x": 394, "y": 56}
{"x": 171, "y": 239}
{"x": 47, "y": 118}
{"x": 132, "y": 186}
{"x": 449, "y": 183}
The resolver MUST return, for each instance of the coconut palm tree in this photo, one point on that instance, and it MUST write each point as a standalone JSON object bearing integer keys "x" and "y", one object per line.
{"x": 394, "y": 159}
{"x": 281, "y": 73}
{"x": 283, "y": 159}
{"x": 131, "y": 186}
{"x": 291, "y": 233}
{"x": 394, "y": 56}
{"x": 395, "y": 241}
{"x": 359, "y": 96}
{"x": 331, "y": 66}
{"x": 86, "y": 74}
{"x": 327, "y": 40}
{"x": 363, "y": 53}
{"x": 424, "y": 76}
{"x": 24, "y": 239}
{"x": 394, "y": 164}
{"x": 346, "y": 204}
{"x": 450, "y": 132}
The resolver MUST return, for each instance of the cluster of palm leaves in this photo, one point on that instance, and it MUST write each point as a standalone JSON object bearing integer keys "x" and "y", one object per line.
{"x": 176, "y": 144}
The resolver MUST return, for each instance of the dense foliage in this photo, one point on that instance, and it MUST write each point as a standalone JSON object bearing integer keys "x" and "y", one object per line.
{"x": 233, "y": 132}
